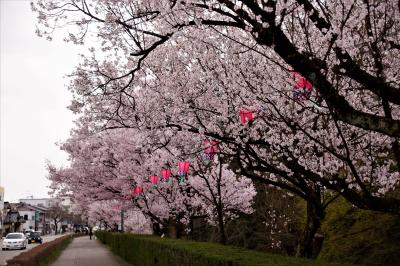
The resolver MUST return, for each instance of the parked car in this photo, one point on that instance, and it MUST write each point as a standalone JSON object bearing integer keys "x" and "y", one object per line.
{"x": 27, "y": 233}
{"x": 14, "y": 241}
{"x": 34, "y": 237}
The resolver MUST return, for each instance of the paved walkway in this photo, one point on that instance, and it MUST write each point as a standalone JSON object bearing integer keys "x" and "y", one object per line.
{"x": 85, "y": 252}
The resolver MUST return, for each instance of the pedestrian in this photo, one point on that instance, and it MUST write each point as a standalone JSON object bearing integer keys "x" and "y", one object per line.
{"x": 90, "y": 233}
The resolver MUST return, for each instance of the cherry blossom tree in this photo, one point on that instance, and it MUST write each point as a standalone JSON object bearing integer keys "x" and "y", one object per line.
{"x": 106, "y": 167}
{"x": 57, "y": 213}
{"x": 214, "y": 184}
{"x": 108, "y": 214}
{"x": 355, "y": 79}
{"x": 187, "y": 68}
{"x": 308, "y": 35}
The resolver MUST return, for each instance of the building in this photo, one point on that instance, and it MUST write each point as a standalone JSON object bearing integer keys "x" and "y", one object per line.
{"x": 45, "y": 207}
{"x": 33, "y": 214}
{"x": 12, "y": 219}
{"x": 43, "y": 202}
{"x": 46, "y": 202}
{"x": 35, "y": 218}
{"x": 22, "y": 217}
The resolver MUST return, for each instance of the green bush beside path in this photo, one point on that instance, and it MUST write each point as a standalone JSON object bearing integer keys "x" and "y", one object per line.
{"x": 145, "y": 250}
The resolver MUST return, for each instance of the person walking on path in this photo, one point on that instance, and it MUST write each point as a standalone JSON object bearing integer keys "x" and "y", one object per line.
{"x": 84, "y": 252}
{"x": 90, "y": 233}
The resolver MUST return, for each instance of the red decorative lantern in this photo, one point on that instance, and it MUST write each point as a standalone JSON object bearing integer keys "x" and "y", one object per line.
{"x": 154, "y": 181}
{"x": 211, "y": 149}
{"x": 137, "y": 191}
{"x": 246, "y": 115}
{"x": 302, "y": 87}
{"x": 183, "y": 169}
{"x": 165, "y": 174}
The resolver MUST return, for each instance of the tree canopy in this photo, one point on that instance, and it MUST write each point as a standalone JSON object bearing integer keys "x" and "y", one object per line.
{"x": 303, "y": 95}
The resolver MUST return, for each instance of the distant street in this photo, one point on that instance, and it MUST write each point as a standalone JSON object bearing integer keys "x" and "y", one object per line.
{"x": 8, "y": 254}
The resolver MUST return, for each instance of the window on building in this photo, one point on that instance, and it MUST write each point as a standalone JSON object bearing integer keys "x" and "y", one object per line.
{"x": 26, "y": 217}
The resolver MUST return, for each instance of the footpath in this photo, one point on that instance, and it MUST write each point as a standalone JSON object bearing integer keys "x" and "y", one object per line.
{"x": 85, "y": 252}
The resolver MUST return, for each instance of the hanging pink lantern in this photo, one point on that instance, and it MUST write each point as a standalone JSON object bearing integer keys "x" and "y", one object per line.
{"x": 154, "y": 181}
{"x": 301, "y": 82}
{"x": 246, "y": 115}
{"x": 165, "y": 174}
{"x": 183, "y": 168}
{"x": 211, "y": 149}
{"x": 302, "y": 87}
{"x": 137, "y": 191}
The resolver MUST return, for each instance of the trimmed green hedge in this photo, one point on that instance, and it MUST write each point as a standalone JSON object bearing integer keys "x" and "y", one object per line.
{"x": 146, "y": 250}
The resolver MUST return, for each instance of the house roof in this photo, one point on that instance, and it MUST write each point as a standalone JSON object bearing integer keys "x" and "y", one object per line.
{"x": 22, "y": 206}
{"x": 13, "y": 217}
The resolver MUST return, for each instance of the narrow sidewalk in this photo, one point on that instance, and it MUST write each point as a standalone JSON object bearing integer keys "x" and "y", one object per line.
{"x": 85, "y": 252}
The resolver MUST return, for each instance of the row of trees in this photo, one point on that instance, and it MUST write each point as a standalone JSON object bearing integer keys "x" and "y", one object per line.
{"x": 167, "y": 75}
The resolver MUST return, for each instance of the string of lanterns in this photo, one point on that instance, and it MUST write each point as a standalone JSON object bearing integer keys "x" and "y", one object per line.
{"x": 138, "y": 191}
{"x": 302, "y": 89}
{"x": 211, "y": 148}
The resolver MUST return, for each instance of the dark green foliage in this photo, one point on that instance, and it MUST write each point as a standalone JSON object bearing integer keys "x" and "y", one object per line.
{"x": 145, "y": 250}
{"x": 272, "y": 227}
{"x": 360, "y": 236}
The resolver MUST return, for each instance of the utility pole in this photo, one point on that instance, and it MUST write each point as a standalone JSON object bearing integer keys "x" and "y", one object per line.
{"x": 2, "y": 217}
{"x": 36, "y": 220}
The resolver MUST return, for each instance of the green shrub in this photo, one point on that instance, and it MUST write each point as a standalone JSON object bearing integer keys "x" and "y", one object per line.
{"x": 359, "y": 236}
{"x": 145, "y": 250}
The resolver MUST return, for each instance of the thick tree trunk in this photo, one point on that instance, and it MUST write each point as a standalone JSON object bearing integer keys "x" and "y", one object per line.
{"x": 55, "y": 228}
{"x": 221, "y": 227}
{"x": 172, "y": 228}
{"x": 156, "y": 229}
{"x": 306, "y": 247}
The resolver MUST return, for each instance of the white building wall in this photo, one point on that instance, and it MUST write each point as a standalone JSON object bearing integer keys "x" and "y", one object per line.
{"x": 30, "y": 222}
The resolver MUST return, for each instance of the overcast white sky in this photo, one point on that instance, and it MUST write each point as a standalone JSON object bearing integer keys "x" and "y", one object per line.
{"x": 34, "y": 98}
